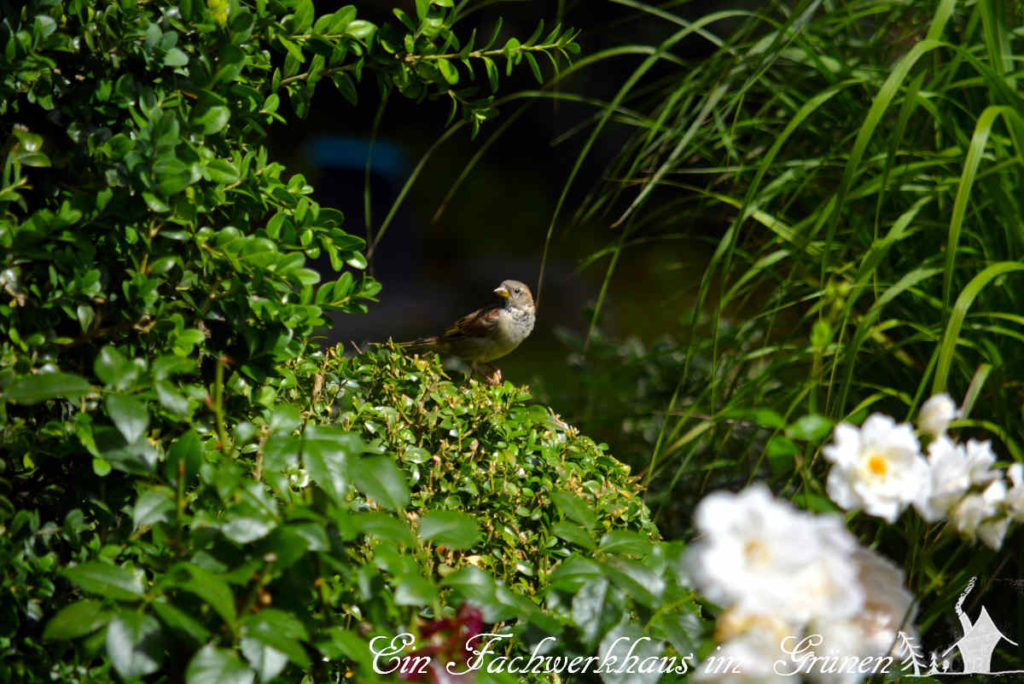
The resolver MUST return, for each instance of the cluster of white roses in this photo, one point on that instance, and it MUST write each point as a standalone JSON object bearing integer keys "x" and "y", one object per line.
{"x": 783, "y": 575}
{"x": 881, "y": 469}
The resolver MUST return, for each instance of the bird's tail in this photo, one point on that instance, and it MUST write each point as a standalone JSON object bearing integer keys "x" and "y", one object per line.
{"x": 420, "y": 346}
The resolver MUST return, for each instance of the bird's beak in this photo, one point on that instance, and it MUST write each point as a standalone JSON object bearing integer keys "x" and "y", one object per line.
{"x": 501, "y": 291}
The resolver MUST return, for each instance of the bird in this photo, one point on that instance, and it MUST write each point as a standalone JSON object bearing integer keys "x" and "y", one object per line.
{"x": 486, "y": 334}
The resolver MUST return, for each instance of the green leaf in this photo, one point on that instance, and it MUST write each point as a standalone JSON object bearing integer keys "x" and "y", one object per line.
{"x": 184, "y": 457}
{"x": 640, "y": 583}
{"x": 77, "y": 620}
{"x": 386, "y": 528}
{"x": 243, "y": 529}
{"x": 134, "y": 644}
{"x": 213, "y": 119}
{"x": 303, "y": 17}
{"x": 114, "y": 369}
{"x": 212, "y": 589}
{"x": 177, "y": 619}
{"x": 221, "y": 171}
{"x": 155, "y": 505}
{"x": 448, "y": 71}
{"x": 86, "y": 315}
{"x": 622, "y": 641}
{"x": 810, "y": 428}
{"x": 681, "y": 628}
{"x": 573, "y": 573}
{"x": 346, "y": 86}
{"x": 172, "y": 176}
{"x": 129, "y": 415}
{"x": 155, "y": 203}
{"x": 108, "y": 580}
{"x": 477, "y": 587}
{"x": 175, "y": 58}
{"x": 267, "y": 661}
{"x": 381, "y": 480}
{"x": 534, "y": 67}
{"x": 325, "y": 452}
{"x": 413, "y": 590}
{"x": 626, "y": 542}
{"x": 573, "y": 533}
{"x": 588, "y": 608}
{"x": 574, "y": 508}
{"x": 212, "y": 665}
{"x": 451, "y": 529}
{"x": 492, "y": 73}
{"x": 360, "y": 29}
{"x": 32, "y": 389}
{"x": 279, "y": 630}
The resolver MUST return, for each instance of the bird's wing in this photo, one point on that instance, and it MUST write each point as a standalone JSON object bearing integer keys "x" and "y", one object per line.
{"x": 477, "y": 324}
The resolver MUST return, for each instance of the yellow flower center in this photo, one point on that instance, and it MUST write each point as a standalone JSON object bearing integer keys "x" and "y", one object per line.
{"x": 756, "y": 552}
{"x": 877, "y": 465}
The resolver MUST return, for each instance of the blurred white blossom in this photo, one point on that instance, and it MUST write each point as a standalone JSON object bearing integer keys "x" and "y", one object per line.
{"x": 748, "y": 647}
{"x": 877, "y": 467}
{"x": 785, "y": 576}
{"x": 980, "y": 459}
{"x": 1015, "y": 496}
{"x": 936, "y": 414}
{"x": 980, "y": 515}
{"x": 764, "y": 556}
{"x": 872, "y": 632}
{"x": 949, "y": 478}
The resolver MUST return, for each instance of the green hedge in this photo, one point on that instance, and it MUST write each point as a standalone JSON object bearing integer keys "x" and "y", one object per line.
{"x": 190, "y": 490}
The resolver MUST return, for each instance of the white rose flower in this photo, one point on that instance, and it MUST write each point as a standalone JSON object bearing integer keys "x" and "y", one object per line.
{"x": 980, "y": 459}
{"x": 936, "y": 414}
{"x": 878, "y": 467}
{"x": 749, "y": 646}
{"x": 949, "y": 478}
{"x": 993, "y": 531}
{"x": 1015, "y": 497}
{"x": 872, "y": 632}
{"x": 764, "y": 556}
{"x": 979, "y": 515}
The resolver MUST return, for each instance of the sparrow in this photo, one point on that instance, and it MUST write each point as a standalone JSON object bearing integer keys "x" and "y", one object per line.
{"x": 488, "y": 333}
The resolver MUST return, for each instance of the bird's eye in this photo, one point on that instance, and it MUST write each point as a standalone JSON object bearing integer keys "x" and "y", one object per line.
{"x": 518, "y": 290}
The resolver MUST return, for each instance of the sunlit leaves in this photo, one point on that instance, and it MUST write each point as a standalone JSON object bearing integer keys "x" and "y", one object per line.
{"x": 449, "y": 528}
{"x": 133, "y": 644}
{"x": 106, "y": 580}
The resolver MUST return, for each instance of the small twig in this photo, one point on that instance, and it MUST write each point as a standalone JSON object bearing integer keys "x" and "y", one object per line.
{"x": 218, "y": 406}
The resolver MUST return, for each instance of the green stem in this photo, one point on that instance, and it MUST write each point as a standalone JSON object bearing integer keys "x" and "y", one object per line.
{"x": 218, "y": 405}
{"x": 479, "y": 54}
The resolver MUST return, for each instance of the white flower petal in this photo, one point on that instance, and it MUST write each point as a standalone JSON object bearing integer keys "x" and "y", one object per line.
{"x": 936, "y": 414}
